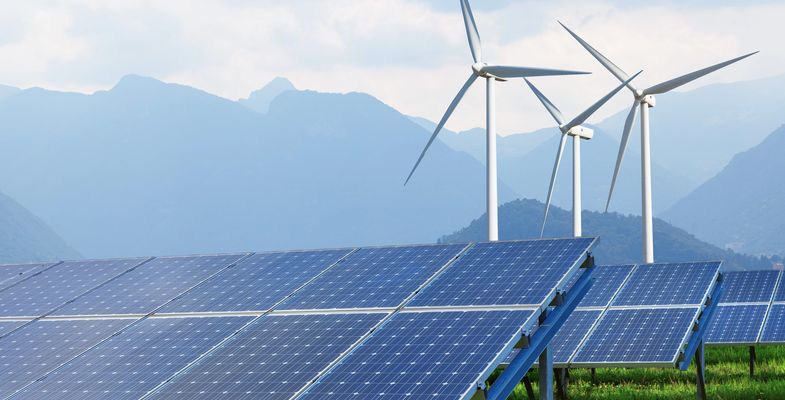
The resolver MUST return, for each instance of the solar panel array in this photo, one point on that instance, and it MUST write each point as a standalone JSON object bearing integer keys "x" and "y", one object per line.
{"x": 750, "y": 310}
{"x": 636, "y": 315}
{"x": 311, "y": 324}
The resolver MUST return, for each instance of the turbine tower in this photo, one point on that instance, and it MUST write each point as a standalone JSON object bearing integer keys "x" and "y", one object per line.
{"x": 578, "y": 133}
{"x": 645, "y": 100}
{"x": 490, "y": 73}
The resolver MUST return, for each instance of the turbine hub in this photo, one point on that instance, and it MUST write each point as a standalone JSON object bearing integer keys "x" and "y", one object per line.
{"x": 649, "y": 99}
{"x": 478, "y": 70}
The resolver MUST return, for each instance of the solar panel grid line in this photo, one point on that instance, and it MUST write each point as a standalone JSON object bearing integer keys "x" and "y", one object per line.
{"x": 68, "y": 359}
{"x": 583, "y": 340}
{"x": 10, "y": 281}
{"x": 771, "y": 305}
{"x": 728, "y": 327}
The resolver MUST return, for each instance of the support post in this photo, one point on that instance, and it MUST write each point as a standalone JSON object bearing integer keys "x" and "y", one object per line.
{"x": 646, "y": 210}
{"x": 527, "y": 383}
{"x": 492, "y": 200}
{"x": 753, "y": 359}
{"x": 562, "y": 381}
{"x": 593, "y": 375}
{"x": 700, "y": 369}
{"x": 577, "y": 223}
{"x": 546, "y": 375}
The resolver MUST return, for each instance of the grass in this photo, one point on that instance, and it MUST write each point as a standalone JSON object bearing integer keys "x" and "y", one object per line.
{"x": 727, "y": 377}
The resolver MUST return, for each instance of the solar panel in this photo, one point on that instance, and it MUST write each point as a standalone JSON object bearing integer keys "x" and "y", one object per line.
{"x": 506, "y": 273}
{"x": 135, "y": 361}
{"x": 151, "y": 285}
{"x": 7, "y": 327}
{"x": 10, "y": 274}
{"x": 637, "y": 336}
{"x": 572, "y": 333}
{"x": 42, "y": 293}
{"x": 748, "y": 286}
{"x": 668, "y": 284}
{"x": 373, "y": 277}
{"x": 31, "y": 352}
{"x": 780, "y": 294}
{"x": 736, "y": 324}
{"x": 774, "y": 330}
{"x": 273, "y": 358}
{"x": 424, "y": 355}
{"x": 607, "y": 281}
{"x": 257, "y": 282}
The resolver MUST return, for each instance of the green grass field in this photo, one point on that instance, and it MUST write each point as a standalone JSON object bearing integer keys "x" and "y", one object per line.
{"x": 727, "y": 377}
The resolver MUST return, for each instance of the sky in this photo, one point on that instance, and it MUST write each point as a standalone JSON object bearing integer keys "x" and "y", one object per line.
{"x": 411, "y": 54}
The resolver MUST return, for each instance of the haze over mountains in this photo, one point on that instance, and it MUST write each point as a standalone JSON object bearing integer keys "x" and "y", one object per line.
{"x": 149, "y": 168}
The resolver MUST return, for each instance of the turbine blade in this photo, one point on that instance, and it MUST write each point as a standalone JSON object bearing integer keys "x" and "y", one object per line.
{"x": 608, "y": 64}
{"x": 475, "y": 45}
{"x": 504, "y": 71}
{"x": 559, "y": 154}
{"x": 625, "y": 138}
{"x": 552, "y": 109}
{"x": 443, "y": 121}
{"x": 582, "y": 117}
{"x": 667, "y": 86}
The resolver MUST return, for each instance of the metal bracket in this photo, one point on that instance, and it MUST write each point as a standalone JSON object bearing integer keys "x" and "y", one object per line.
{"x": 703, "y": 323}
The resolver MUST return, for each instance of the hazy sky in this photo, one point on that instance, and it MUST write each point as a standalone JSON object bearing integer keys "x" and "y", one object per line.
{"x": 412, "y": 54}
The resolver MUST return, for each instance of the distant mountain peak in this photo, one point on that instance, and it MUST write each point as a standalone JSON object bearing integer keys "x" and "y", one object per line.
{"x": 6, "y": 91}
{"x": 260, "y": 100}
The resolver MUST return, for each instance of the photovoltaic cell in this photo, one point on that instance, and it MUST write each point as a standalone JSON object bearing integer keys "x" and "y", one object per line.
{"x": 257, "y": 282}
{"x": 129, "y": 365}
{"x": 373, "y": 277}
{"x": 780, "y": 294}
{"x": 29, "y": 353}
{"x": 572, "y": 333}
{"x": 748, "y": 286}
{"x": 607, "y": 281}
{"x": 423, "y": 355}
{"x": 273, "y": 358}
{"x": 506, "y": 273}
{"x": 7, "y": 326}
{"x": 637, "y": 336}
{"x": 10, "y": 274}
{"x": 148, "y": 287}
{"x": 774, "y": 330}
{"x": 54, "y": 287}
{"x": 738, "y": 324}
{"x": 668, "y": 284}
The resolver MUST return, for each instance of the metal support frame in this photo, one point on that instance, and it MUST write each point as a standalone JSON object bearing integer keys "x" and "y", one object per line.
{"x": 538, "y": 343}
{"x": 700, "y": 368}
{"x": 700, "y": 327}
{"x": 753, "y": 358}
{"x": 527, "y": 383}
{"x": 562, "y": 381}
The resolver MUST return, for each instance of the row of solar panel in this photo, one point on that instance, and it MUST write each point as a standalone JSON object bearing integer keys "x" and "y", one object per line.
{"x": 636, "y": 315}
{"x": 413, "y": 353}
{"x": 751, "y": 311}
{"x": 328, "y": 279}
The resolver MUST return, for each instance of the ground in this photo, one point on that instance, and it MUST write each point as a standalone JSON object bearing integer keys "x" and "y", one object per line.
{"x": 727, "y": 377}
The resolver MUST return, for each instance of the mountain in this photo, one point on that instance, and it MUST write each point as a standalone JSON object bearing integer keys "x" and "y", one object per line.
{"x": 25, "y": 238}
{"x": 260, "y": 100}
{"x": 153, "y": 168}
{"x": 620, "y": 241}
{"x": 7, "y": 91}
{"x": 696, "y": 133}
{"x": 741, "y": 207}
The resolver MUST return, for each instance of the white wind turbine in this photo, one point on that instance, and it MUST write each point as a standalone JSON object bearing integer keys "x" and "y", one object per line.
{"x": 491, "y": 73}
{"x": 645, "y": 100}
{"x": 578, "y": 132}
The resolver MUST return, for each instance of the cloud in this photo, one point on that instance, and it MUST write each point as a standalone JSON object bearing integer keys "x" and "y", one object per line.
{"x": 411, "y": 54}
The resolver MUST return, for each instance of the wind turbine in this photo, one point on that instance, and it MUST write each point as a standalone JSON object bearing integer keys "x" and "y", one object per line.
{"x": 490, "y": 73}
{"x": 645, "y": 100}
{"x": 578, "y": 133}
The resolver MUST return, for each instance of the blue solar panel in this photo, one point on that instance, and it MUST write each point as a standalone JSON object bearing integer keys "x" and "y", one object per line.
{"x": 780, "y": 294}
{"x": 137, "y": 360}
{"x": 738, "y": 324}
{"x": 10, "y": 274}
{"x": 631, "y": 336}
{"x": 257, "y": 282}
{"x": 668, "y": 284}
{"x": 44, "y": 292}
{"x": 273, "y": 358}
{"x": 748, "y": 286}
{"x": 373, "y": 277}
{"x": 148, "y": 287}
{"x": 506, "y": 273}
{"x": 572, "y": 333}
{"x": 423, "y": 355}
{"x": 7, "y": 327}
{"x": 607, "y": 281}
{"x": 774, "y": 330}
{"x": 31, "y": 352}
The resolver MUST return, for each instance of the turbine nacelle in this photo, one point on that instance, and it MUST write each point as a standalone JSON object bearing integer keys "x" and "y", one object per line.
{"x": 649, "y": 99}
{"x": 579, "y": 131}
{"x": 479, "y": 70}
